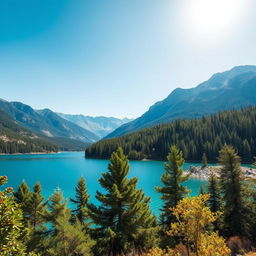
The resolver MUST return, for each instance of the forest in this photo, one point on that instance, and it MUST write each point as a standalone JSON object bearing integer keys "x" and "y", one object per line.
{"x": 220, "y": 221}
{"x": 194, "y": 137}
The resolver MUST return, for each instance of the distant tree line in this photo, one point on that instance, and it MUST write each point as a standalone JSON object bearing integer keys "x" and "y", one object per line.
{"x": 122, "y": 224}
{"x": 28, "y": 146}
{"x": 194, "y": 137}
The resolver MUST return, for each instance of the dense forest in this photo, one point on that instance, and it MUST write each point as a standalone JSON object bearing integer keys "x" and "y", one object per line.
{"x": 16, "y": 139}
{"x": 220, "y": 221}
{"x": 194, "y": 137}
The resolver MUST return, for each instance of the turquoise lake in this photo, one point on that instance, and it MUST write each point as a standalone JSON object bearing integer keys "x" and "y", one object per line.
{"x": 63, "y": 170}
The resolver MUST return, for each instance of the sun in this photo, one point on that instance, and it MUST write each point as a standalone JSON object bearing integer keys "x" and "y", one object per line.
{"x": 213, "y": 18}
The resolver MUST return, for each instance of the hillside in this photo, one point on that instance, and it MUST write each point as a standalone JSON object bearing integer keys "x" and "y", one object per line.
{"x": 16, "y": 139}
{"x": 100, "y": 125}
{"x": 193, "y": 137}
{"x": 49, "y": 124}
{"x": 235, "y": 88}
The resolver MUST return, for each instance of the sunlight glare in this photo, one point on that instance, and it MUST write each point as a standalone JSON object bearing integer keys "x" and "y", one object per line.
{"x": 213, "y": 18}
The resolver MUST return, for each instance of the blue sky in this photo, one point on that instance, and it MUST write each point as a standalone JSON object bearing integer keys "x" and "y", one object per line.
{"x": 117, "y": 57}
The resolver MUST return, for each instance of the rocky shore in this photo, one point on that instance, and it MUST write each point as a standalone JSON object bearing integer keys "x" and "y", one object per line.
{"x": 204, "y": 173}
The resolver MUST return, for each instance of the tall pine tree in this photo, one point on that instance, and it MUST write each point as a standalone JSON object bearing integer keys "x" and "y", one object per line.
{"x": 57, "y": 207}
{"x": 37, "y": 210}
{"x": 22, "y": 196}
{"x": 172, "y": 190}
{"x": 214, "y": 201}
{"x": 81, "y": 201}
{"x": 123, "y": 219}
{"x": 236, "y": 212}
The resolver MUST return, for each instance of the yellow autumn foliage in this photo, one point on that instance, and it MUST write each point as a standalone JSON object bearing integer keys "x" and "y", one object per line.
{"x": 193, "y": 218}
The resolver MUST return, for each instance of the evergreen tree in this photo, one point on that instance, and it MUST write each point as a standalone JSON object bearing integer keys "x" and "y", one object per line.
{"x": 70, "y": 240}
{"x": 81, "y": 201}
{"x": 173, "y": 190}
{"x": 204, "y": 161}
{"x": 57, "y": 207}
{"x": 37, "y": 208}
{"x": 123, "y": 219}
{"x": 22, "y": 197}
{"x": 236, "y": 212}
{"x": 214, "y": 200}
{"x": 37, "y": 211}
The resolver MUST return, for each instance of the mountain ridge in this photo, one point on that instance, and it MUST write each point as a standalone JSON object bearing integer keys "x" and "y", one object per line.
{"x": 206, "y": 98}
{"x": 48, "y": 124}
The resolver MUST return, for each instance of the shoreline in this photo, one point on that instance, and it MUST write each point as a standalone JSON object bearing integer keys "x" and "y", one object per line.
{"x": 31, "y": 153}
{"x": 204, "y": 173}
{"x": 36, "y": 153}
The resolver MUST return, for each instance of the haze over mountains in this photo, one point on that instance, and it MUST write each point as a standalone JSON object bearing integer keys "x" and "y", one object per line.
{"x": 231, "y": 89}
{"x": 100, "y": 125}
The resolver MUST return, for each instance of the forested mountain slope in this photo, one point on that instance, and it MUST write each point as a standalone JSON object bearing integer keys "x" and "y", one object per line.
{"x": 49, "y": 124}
{"x": 16, "y": 139}
{"x": 193, "y": 137}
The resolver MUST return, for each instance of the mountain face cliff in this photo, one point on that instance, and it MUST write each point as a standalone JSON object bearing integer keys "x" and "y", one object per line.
{"x": 231, "y": 89}
{"x": 49, "y": 124}
{"x": 99, "y": 125}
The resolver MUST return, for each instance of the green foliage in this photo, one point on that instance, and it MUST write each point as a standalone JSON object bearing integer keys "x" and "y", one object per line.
{"x": 173, "y": 190}
{"x": 36, "y": 212}
{"x": 70, "y": 240}
{"x": 10, "y": 223}
{"x": 194, "y": 137}
{"x": 57, "y": 207}
{"x": 236, "y": 211}
{"x": 123, "y": 219}
{"x": 23, "y": 197}
{"x": 81, "y": 201}
{"x": 214, "y": 200}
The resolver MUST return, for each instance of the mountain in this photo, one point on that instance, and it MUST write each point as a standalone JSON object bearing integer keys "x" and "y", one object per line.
{"x": 16, "y": 139}
{"x": 99, "y": 125}
{"x": 193, "y": 136}
{"x": 49, "y": 124}
{"x": 231, "y": 89}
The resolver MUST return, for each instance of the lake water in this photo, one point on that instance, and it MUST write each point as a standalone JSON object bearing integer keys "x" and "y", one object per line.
{"x": 63, "y": 170}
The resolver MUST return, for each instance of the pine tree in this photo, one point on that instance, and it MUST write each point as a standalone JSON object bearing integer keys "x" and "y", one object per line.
{"x": 204, "y": 161}
{"x": 123, "y": 217}
{"x": 37, "y": 211}
{"x": 57, "y": 207}
{"x": 37, "y": 207}
{"x": 22, "y": 197}
{"x": 70, "y": 239}
{"x": 81, "y": 201}
{"x": 214, "y": 200}
{"x": 236, "y": 212}
{"x": 173, "y": 190}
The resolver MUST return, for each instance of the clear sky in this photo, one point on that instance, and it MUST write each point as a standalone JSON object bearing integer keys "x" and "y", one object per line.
{"x": 118, "y": 57}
